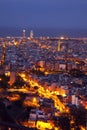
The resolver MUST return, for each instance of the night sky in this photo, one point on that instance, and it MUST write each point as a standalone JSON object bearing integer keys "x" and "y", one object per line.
{"x": 44, "y": 13}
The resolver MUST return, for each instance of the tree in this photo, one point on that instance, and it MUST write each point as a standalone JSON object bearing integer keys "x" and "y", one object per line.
{"x": 64, "y": 123}
{"x": 79, "y": 115}
{"x": 76, "y": 72}
{"x": 19, "y": 82}
{"x": 4, "y": 81}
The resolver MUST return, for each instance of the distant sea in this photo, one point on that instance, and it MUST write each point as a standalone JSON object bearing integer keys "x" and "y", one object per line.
{"x": 51, "y": 32}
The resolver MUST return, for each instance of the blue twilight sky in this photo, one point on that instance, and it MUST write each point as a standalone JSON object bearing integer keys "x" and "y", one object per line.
{"x": 44, "y": 13}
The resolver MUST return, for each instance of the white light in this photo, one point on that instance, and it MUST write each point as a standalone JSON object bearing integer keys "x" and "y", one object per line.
{"x": 62, "y": 38}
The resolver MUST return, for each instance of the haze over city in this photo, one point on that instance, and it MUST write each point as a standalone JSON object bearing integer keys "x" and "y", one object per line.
{"x": 44, "y": 16}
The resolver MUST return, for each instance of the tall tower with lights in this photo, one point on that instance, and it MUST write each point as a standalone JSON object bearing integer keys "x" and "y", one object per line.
{"x": 31, "y": 34}
{"x": 24, "y": 33}
{"x": 59, "y": 43}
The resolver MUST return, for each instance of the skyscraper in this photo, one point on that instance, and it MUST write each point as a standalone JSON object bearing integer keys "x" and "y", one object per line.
{"x": 31, "y": 34}
{"x": 59, "y": 43}
{"x": 24, "y": 33}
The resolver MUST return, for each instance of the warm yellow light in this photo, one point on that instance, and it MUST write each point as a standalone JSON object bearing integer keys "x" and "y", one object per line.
{"x": 47, "y": 93}
{"x": 22, "y": 75}
{"x": 42, "y": 69}
{"x": 82, "y": 128}
{"x": 56, "y": 128}
{"x": 67, "y": 110}
{"x": 64, "y": 95}
{"x": 7, "y": 73}
{"x": 13, "y": 97}
{"x": 72, "y": 129}
{"x": 43, "y": 125}
{"x": 56, "y": 92}
{"x": 46, "y": 73}
{"x": 46, "y": 90}
{"x": 86, "y": 107}
{"x": 15, "y": 43}
{"x": 34, "y": 100}
{"x": 72, "y": 122}
{"x": 25, "y": 79}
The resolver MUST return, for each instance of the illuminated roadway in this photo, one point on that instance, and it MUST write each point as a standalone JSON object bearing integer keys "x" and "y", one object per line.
{"x": 42, "y": 93}
{"x": 46, "y": 93}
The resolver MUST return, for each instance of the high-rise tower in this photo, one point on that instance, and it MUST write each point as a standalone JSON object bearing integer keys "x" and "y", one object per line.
{"x": 24, "y": 33}
{"x": 31, "y": 34}
{"x": 59, "y": 43}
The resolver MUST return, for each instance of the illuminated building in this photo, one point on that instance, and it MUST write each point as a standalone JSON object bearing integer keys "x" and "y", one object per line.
{"x": 59, "y": 43}
{"x": 24, "y": 33}
{"x": 12, "y": 77}
{"x": 74, "y": 100}
{"x": 31, "y": 34}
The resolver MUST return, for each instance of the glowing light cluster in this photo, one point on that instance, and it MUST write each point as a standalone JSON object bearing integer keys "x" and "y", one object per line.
{"x": 47, "y": 94}
{"x": 44, "y": 125}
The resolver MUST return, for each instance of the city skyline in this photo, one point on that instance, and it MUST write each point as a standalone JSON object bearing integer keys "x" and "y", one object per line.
{"x": 43, "y": 14}
{"x": 43, "y": 65}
